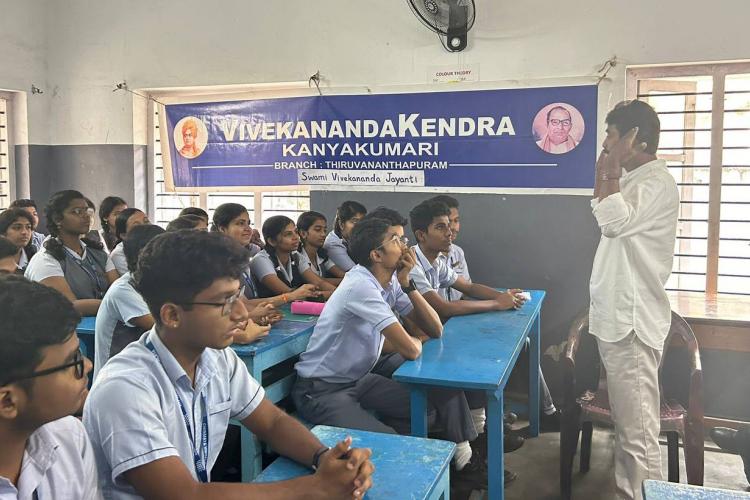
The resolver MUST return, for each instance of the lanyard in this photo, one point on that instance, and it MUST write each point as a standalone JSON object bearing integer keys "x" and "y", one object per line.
{"x": 250, "y": 291}
{"x": 198, "y": 462}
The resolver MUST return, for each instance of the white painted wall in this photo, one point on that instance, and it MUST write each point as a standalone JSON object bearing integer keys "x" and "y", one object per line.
{"x": 93, "y": 44}
{"x": 23, "y": 52}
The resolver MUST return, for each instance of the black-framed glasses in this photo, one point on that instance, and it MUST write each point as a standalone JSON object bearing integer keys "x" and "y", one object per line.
{"x": 226, "y": 306}
{"x": 556, "y": 123}
{"x": 78, "y": 362}
{"x": 402, "y": 239}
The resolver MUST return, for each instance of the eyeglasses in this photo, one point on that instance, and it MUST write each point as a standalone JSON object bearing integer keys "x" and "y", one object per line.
{"x": 80, "y": 211}
{"x": 402, "y": 239}
{"x": 226, "y": 306}
{"x": 78, "y": 362}
{"x": 557, "y": 123}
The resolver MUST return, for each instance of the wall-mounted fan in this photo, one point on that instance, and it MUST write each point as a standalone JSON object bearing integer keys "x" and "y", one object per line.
{"x": 448, "y": 18}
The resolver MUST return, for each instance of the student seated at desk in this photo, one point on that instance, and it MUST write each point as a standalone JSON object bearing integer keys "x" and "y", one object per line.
{"x": 433, "y": 230}
{"x": 37, "y": 239}
{"x": 347, "y": 216}
{"x": 45, "y": 452}
{"x": 187, "y": 222}
{"x": 233, "y": 220}
{"x": 336, "y": 384}
{"x": 77, "y": 268}
{"x": 314, "y": 264}
{"x": 109, "y": 209}
{"x": 158, "y": 412}
{"x": 8, "y": 256}
{"x": 123, "y": 315}
{"x": 125, "y": 221}
{"x": 276, "y": 269}
{"x": 16, "y": 225}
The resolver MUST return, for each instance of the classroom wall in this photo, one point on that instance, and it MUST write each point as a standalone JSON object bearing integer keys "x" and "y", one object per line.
{"x": 81, "y": 133}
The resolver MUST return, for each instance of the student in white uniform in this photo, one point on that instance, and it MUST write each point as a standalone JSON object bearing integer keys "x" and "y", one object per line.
{"x": 233, "y": 220}
{"x": 158, "y": 412}
{"x": 123, "y": 316}
{"x": 314, "y": 264}
{"x": 109, "y": 209}
{"x": 77, "y": 268}
{"x": 456, "y": 256}
{"x": 17, "y": 226}
{"x": 453, "y": 262}
{"x": 347, "y": 216}
{"x": 276, "y": 269}
{"x": 125, "y": 221}
{"x": 636, "y": 204}
{"x": 43, "y": 376}
{"x": 30, "y": 206}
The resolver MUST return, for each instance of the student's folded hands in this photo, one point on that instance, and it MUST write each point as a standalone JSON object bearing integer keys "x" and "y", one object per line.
{"x": 511, "y": 299}
{"x": 345, "y": 472}
{"x": 251, "y": 333}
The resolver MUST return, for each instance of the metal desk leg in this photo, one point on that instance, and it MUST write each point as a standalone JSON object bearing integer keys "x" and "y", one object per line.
{"x": 495, "y": 461}
{"x": 534, "y": 337}
{"x": 251, "y": 451}
{"x": 418, "y": 411}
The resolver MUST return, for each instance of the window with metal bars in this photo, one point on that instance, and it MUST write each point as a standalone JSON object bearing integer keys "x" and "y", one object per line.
{"x": 260, "y": 205}
{"x": 705, "y": 139}
{"x": 4, "y": 156}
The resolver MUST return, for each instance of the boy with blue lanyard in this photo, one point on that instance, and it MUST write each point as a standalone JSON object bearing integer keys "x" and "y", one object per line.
{"x": 432, "y": 228}
{"x": 45, "y": 452}
{"x": 158, "y": 412}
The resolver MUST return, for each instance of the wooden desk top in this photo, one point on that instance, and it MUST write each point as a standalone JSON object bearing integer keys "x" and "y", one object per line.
{"x": 476, "y": 351}
{"x": 405, "y": 466}
{"x": 722, "y": 308}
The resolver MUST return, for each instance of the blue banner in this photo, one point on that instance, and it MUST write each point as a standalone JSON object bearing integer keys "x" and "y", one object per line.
{"x": 517, "y": 138}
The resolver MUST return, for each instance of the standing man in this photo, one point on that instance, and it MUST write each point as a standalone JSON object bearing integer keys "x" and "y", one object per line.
{"x": 635, "y": 203}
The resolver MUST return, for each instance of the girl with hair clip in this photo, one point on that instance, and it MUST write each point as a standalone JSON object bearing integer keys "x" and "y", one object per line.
{"x": 314, "y": 264}
{"x": 347, "y": 216}
{"x": 76, "y": 267}
{"x": 276, "y": 268}
{"x": 127, "y": 220}
{"x": 109, "y": 209}
{"x": 16, "y": 224}
{"x": 233, "y": 220}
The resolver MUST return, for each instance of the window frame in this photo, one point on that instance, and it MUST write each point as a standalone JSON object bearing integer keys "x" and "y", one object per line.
{"x": 718, "y": 71}
{"x": 8, "y": 98}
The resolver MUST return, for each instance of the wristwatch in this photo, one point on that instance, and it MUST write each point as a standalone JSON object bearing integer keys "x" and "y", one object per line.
{"x": 408, "y": 289}
{"x": 316, "y": 457}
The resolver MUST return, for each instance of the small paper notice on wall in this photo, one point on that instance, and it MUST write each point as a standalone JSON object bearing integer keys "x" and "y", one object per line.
{"x": 453, "y": 73}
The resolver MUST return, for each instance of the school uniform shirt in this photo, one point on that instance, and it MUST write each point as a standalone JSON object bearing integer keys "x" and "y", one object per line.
{"x": 254, "y": 249}
{"x": 23, "y": 261}
{"x": 120, "y": 305}
{"x": 133, "y": 416}
{"x": 43, "y": 265}
{"x": 338, "y": 252}
{"x": 634, "y": 257}
{"x": 347, "y": 339}
{"x": 322, "y": 268}
{"x": 431, "y": 277}
{"x": 261, "y": 266}
{"x": 457, "y": 262}
{"x": 118, "y": 258}
{"x": 58, "y": 464}
{"x": 37, "y": 239}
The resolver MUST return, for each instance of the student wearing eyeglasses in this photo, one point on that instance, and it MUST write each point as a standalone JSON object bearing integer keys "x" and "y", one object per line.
{"x": 158, "y": 411}
{"x": 46, "y": 452}
{"x": 76, "y": 267}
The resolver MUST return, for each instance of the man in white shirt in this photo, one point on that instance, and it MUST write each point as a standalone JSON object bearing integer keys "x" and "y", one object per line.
{"x": 160, "y": 408}
{"x": 43, "y": 376}
{"x": 636, "y": 204}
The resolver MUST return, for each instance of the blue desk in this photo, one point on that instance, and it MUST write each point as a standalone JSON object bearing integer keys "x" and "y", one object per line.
{"x": 85, "y": 331}
{"x": 478, "y": 352}
{"x": 405, "y": 466}
{"x": 662, "y": 490}
{"x": 287, "y": 339}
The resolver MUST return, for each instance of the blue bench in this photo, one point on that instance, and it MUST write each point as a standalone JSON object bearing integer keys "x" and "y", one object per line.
{"x": 405, "y": 466}
{"x": 85, "y": 331}
{"x": 662, "y": 490}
